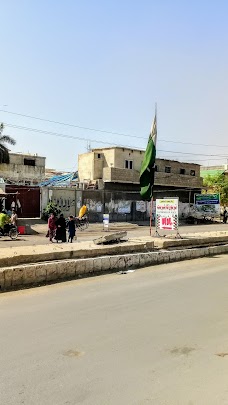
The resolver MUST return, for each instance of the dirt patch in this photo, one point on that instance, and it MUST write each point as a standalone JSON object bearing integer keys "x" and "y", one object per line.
{"x": 185, "y": 350}
{"x": 73, "y": 353}
{"x": 222, "y": 354}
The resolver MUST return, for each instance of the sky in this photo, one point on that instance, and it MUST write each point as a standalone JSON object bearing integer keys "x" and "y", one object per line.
{"x": 103, "y": 64}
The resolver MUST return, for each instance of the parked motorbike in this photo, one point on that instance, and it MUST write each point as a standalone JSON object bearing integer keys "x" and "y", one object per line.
{"x": 9, "y": 230}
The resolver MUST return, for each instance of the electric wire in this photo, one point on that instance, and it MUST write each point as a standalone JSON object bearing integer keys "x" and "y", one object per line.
{"x": 36, "y": 130}
{"x": 107, "y": 131}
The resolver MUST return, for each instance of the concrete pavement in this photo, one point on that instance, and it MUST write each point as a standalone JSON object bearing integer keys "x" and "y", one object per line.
{"x": 156, "y": 336}
{"x": 95, "y": 231}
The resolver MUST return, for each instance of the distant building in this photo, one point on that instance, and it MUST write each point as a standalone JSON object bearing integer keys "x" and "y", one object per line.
{"x": 49, "y": 173}
{"x": 212, "y": 170}
{"x": 23, "y": 169}
{"x": 118, "y": 168}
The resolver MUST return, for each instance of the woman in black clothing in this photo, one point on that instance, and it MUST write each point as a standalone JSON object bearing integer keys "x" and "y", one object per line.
{"x": 61, "y": 229}
{"x": 71, "y": 228}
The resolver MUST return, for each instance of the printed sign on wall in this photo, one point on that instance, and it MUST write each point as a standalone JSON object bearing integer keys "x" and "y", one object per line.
{"x": 208, "y": 204}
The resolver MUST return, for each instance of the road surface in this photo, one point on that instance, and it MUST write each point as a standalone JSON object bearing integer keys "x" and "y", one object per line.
{"x": 156, "y": 336}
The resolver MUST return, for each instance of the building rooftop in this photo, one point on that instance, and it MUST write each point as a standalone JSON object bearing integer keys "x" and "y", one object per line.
{"x": 34, "y": 155}
{"x": 118, "y": 147}
{"x": 141, "y": 151}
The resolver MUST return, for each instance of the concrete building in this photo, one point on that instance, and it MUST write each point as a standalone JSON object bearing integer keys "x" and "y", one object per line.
{"x": 110, "y": 180}
{"x": 108, "y": 168}
{"x": 23, "y": 169}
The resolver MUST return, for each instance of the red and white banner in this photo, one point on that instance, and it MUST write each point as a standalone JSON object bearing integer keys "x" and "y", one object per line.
{"x": 167, "y": 214}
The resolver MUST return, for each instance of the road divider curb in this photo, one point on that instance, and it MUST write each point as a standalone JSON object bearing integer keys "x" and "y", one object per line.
{"x": 33, "y": 274}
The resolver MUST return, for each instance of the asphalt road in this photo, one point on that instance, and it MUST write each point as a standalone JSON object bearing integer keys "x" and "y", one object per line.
{"x": 94, "y": 232}
{"x": 156, "y": 336}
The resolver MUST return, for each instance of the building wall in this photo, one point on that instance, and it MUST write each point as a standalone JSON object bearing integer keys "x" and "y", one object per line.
{"x": 98, "y": 166}
{"x": 122, "y": 205}
{"x": 91, "y": 164}
{"x": 113, "y": 174}
{"x": 17, "y": 172}
{"x": 176, "y": 166}
{"x": 122, "y": 154}
{"x": 103, "y": 158}
{"x": 175, "y": 178}
{"x": 63, "y": 197}
{"x": 86, "y": 166}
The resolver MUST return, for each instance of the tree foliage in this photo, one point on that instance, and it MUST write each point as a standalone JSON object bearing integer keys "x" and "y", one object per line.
{"x": 51, "y": 208}
{"x": 4, "y": 151}
{"x": 217, "y": 183}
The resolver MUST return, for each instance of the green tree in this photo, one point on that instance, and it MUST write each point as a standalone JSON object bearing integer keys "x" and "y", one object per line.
{"x": 4, "y": 151}
{"x": 51, "y": 208}
{"x": 217, "y": 183}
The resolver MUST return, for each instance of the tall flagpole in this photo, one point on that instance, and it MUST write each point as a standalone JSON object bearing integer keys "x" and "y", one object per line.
{"x": 151, "y": 201}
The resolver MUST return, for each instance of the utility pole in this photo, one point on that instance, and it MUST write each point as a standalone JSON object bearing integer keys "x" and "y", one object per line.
{"x": 88, "y": 146}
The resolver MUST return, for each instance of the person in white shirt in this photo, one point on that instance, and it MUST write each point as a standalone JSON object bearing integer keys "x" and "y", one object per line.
{"x": 14, "y": 217}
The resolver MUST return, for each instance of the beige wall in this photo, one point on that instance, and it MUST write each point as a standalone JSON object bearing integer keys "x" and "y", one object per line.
{"x": 90, "y": 167}
{"x": 86, "y": 166}
{"x": 176, "y": 166}
{"x": 106, "y": 159}
{"x": 109, "y": 157}
{"x": 113, "y": 174}
{"x": 122, "y": 154}
{"x": 18, "y": 159}
{"x": 17, "y": 172}
{"x": 98, "y": 166}
{"x": 63, "y": 197}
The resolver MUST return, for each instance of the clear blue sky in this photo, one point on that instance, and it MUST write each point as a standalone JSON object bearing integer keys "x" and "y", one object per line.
{"x": 104, "y": 63}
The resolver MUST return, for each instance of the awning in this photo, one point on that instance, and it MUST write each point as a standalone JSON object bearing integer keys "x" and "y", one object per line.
{"x": 2, "y": 193}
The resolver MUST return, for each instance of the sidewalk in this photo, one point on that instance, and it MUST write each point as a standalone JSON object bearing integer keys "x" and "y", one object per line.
{"x": 41, "y": 228}
{"x": 12, "y": 256}
{"x": 34, "y": 265}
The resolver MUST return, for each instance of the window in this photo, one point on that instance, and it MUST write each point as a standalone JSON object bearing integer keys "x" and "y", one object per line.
{"x": 167, "y": 169}
{"x": 192, "y": 172}
{"x": 182, "y": 171}
{"x": 99, "y": 156}
{"x": 29, "y": 162}
{"x": 156, "y": 168}
{"x": 129, "y": 164}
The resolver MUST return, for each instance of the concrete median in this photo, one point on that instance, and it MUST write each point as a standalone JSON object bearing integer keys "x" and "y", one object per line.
{"x": 20, "y": 276}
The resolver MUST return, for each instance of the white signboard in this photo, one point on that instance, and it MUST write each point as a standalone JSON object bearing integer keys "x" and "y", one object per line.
{"x": 105, "y": 220}
{"x": 167, "y": 214}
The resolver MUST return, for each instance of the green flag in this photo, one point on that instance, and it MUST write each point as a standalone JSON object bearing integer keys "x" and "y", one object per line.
{"x": 148, "y": 165}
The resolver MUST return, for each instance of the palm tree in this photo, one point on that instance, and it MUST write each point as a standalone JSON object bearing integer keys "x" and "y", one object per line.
{"x": 4, "y": 151}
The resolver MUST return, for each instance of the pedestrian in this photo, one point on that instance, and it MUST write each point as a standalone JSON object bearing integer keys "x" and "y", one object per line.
{"x": 225, "y": 216}
{"x": 71, "y": 228}
{"x": 51, "y": 227}
{"x": 4, "y": 221}
{"x": 14, "y": 217}
{"x": 61, "y": 229}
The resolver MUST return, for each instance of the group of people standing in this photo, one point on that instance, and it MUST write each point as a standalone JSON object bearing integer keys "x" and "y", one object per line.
{"x": 57, "y": 228}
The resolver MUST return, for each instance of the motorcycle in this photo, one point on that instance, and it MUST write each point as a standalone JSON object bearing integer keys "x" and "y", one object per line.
{"x": 9, "y": 230}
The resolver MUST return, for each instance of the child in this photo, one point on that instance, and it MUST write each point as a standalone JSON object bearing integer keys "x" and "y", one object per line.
{"x": 51, "y": 227}
{"x": 71, "y": 229}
